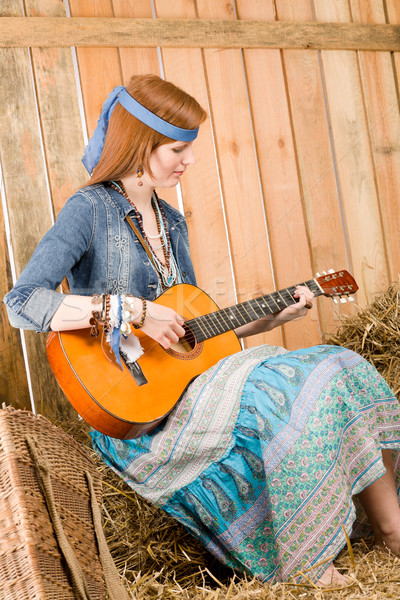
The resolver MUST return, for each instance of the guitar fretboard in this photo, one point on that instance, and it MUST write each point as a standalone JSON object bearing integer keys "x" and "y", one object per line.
{"x": 226, "y": 319}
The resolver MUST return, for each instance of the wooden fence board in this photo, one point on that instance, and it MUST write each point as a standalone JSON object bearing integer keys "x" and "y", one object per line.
{"x": 393, "y": 16}
{"x": 140, "y": 61}
{"x": 238, "y": 167}
{"x": 136, "y": 60}
{"x": 278, "y": 170}
{"x": 393, "y": 11}
{"x": 100, "y": 68}
{"x": 200, "y": 186}
{"x": 13, "y": 381}
{"x": 59, "y": 111}
{"x": 62, "y": 137}
{"x": 354, "y": 162}
{"x": 381, "y": 101}
{"x": 25, "y": 186}
{"x": 321, "y": 204}
{"x": 203, "y": 33}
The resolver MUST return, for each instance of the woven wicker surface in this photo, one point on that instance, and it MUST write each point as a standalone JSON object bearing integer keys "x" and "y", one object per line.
{"x": 31, "y": 566}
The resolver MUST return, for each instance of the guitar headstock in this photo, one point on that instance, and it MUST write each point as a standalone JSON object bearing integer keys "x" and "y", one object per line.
{"x": 339, "y": 284}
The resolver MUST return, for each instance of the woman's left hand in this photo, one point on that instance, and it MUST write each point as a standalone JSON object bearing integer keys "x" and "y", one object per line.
{"x": 294, "y": 311}
{"x": 299, "y": 309}
{"x": 305, "y": 297}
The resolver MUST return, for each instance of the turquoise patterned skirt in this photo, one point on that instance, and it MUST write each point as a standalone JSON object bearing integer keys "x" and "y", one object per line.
{"x": 262, "y": 456}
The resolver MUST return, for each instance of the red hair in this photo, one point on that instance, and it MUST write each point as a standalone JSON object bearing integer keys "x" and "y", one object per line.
{"x": 129, "y": 142}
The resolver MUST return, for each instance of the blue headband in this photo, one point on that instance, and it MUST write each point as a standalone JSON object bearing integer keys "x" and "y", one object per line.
{"x": 119, "y": 94}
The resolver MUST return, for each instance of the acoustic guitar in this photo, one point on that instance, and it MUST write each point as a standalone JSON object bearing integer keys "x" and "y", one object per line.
{"x": 129, "y": 401}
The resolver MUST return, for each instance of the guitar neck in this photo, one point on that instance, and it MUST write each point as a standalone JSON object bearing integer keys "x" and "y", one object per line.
{"x": 226, "y": 319}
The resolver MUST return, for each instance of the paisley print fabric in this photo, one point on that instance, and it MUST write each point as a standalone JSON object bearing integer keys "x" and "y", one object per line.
{"x": 262, "y": 456}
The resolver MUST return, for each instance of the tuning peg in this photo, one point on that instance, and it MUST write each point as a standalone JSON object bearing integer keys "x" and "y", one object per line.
{"x": 331, "y": 271}
{"x": 350, "y": 299}
{"x": 343, "y": 299}
{"x": 317, "y": 275}
{"x": 324, "y": 273}
{"x": 334, "y": 300}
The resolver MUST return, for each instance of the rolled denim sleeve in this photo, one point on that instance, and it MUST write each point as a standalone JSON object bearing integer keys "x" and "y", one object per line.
{"x": 31, "y": 307}
{"x": 33, "y": 300}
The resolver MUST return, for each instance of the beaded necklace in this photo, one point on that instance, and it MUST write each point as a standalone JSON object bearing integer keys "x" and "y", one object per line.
{"x": 167, "y": 271}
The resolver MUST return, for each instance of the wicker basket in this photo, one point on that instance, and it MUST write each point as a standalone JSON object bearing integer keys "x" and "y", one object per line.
{"x": 31, "y": 564}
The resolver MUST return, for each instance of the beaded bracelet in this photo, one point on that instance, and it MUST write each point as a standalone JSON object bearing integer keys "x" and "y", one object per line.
{"x": 102, "y": 316}
{"x": 128, "y": 307}
{"x": 96, "y": 316}
{"x": 144, "y": 310}
{"x": 106, "y": 312}
{"x": 94, "y": 323}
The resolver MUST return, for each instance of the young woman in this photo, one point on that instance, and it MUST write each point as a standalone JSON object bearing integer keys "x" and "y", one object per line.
{"x": 262, "y": 457}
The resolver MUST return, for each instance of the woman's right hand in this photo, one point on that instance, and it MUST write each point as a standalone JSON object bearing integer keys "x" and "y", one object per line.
{"x": 163, "y": 324}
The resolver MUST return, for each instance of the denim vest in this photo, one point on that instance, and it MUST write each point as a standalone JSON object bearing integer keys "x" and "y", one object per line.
{"x": 93, "y": 245}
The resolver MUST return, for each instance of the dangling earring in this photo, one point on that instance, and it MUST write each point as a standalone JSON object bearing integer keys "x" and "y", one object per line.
{"x": 139, "y": 173}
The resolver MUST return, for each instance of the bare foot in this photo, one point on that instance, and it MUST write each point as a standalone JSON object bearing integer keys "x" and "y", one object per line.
{"x": 332, "y": 577}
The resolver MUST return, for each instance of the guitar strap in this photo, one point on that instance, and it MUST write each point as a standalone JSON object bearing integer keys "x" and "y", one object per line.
{"x": 142, "y": 241}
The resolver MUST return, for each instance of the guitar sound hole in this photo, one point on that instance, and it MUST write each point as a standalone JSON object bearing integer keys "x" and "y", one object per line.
{"x": 186, "y": 344}
{"x": 187, "y": 348}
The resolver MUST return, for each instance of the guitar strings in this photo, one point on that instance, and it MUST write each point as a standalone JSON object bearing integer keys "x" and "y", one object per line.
{"x": 221, "y": 321}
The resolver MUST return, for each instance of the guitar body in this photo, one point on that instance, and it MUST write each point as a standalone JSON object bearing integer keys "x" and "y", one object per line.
{"x": 129, "y": 401}
{"x": 108, "y": 397}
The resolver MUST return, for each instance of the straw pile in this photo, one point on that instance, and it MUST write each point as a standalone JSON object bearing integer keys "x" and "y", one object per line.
{"x": 158, "y": 559}
{"x": 374, "y": 332}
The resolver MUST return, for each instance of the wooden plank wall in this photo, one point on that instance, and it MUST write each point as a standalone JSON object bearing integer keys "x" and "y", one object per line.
{"x": 297, "y": 167}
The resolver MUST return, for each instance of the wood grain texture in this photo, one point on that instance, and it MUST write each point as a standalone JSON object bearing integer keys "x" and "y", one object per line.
{"x": 99, "y": 67}
{"x": 141, "y": 61}
{"x": 59, "y": 111}
{"x": 191, "y": 33}
{"x": 136, "y": 60}
{"x": 238, "y": 168}
{"x": 62, "y": 139}
{"x": 381, "y": 100}
{"x": 26, "y": 192}
{"x": 317, "y": 182}
{"x": 13, "y": 381}
{"x": 272, "y": 125}
{"x": 393, "y": 17}
{"x": 353, "y": 160}
{"x": 201, "y": 192}
{"x": 393, "y": 12}
{"x": 14, "y": 384}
